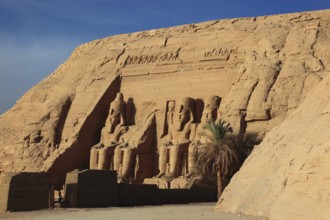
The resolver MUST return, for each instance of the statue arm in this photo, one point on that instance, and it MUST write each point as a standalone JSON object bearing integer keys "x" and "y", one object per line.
{"x": 182, "y": 142}
{"x": 102, "y": 135}
{"x": 143, "y": 134}
{"x": 187, "y": 126}
{"x": 122, "y": 119}
{"x": 191, "y": 118}
{"x": 122, "y": 129}
{"x": 137, "y": 143}
{"x": 193, "y": 133}
{"x": 168, "y": 139}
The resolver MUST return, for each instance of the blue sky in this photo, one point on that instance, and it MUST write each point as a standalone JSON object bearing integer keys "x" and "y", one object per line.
{"x": 36, "y": 36}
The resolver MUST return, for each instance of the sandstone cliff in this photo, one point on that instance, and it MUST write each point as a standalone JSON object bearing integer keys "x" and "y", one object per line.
{"x": 287, "y": 176}
{"x": 261, "y": 67}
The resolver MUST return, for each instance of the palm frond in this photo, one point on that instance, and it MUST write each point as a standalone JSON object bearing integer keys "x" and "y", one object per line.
{"x": 223, "y": 155}
{"x": 217, "y": 154}
{"x": 223, "y": 128}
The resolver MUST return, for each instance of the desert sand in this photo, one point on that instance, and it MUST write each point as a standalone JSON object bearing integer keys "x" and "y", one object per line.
{"x": 183, "y": 212}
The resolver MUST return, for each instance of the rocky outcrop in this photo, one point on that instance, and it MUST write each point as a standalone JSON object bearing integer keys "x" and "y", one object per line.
{"x": 287, "y": 176}
{"x": 262, "y": 68}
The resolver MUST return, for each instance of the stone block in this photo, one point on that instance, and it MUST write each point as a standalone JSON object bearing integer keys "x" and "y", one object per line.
{"x": 91, "y": 188}
{"x": 138, "y": 194}
{"x": 24, "y": 191}
{"x": 174, "y": 196}
{"x": 203, "y": 194}
{"x": 197, "y": 191}
{"x": 161, "y": 183}
{"x": 180, "y": 183}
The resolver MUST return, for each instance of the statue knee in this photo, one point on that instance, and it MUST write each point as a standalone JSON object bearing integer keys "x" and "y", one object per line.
{"x": 129, "y": 150}
{"x": 93, "y": 152}
{"x": 102, "y": 152}
{"x": 117, "y": 150}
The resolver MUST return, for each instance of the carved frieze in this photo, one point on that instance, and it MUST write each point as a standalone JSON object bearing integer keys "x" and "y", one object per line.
{"x": 220, "y": 53}
{"x": 152, "y": 58}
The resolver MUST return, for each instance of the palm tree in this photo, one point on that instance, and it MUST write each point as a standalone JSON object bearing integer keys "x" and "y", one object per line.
{"x": 218, "y": 157}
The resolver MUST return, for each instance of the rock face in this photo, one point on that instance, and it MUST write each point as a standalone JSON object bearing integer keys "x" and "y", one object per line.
{"x": 287, "y": 176}
{"x": 262, "y": 69}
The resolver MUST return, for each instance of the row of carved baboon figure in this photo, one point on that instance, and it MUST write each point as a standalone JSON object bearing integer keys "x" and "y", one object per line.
{"x": 120, "y": 144}
{"x": 220, "y": 52}
{"x": 170, "y": 56}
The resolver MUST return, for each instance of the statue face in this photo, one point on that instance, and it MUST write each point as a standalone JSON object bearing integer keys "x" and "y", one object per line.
{"x": 181, "y": 118}
{"x": 170, "y": 113}
{"x": 210, "y": 108}
{"x": 171, "y": 106}
{"x": 207, "y": 116}
{"x": 113, "y": 119}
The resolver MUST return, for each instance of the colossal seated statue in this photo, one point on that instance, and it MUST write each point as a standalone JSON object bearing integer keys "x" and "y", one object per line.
{"x": 115, "y": 126}
{"x": 179, "y": 119}
{"x": 138, "y": 141}
{"x": 211, "y": 105}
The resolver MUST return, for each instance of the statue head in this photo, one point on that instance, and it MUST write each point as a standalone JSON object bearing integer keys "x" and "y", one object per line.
{"x": 170, "y": 112}
{"x": 116, "y": 112}
{"x": 211, "y": 105}
{"x": 183, "y": 113}
{"x": 207, "y": 115}
{"x": 171, "y": 106}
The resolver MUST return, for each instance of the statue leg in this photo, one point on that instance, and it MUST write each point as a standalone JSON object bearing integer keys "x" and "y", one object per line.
{"x": 127, "y": 163}
{"x": 174, "y": 161}
{"x": 162, "y": 161}
{"x": 191, "y": 160}
{"x": 117, "y": 159}
{"x": 93, "y": 159}
{"x": 103, "y": 163}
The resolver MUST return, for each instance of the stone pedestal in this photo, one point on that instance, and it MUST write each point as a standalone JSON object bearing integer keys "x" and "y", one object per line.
{"x": 160, "y": 182}
{"x": 179, "y": 183}
{"x": 176, "y": 183}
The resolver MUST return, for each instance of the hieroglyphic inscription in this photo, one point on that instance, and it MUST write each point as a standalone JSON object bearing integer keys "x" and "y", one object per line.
{"x": 221, "y": 53}
{"x": 145, "y": 59}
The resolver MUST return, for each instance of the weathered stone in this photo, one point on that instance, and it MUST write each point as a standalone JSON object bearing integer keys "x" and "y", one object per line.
{"x": 91, "y": 188}
{"x": 99, "y": 188}
{"x": 25, "y": 192}
{"x": 287, "y": 176}
{"x": 262, "y": 68}
{"x": 135, "y": 152}
{"x": 161, "y": 183}
{"x": 139, "y": 194}
{"x": 102, "y": 154}
{"x": 178, "y": 138}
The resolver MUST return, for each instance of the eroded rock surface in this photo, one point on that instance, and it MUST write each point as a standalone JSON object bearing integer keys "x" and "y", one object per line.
{"x": 262, "y": 68}
{"x": 287, "y": 176}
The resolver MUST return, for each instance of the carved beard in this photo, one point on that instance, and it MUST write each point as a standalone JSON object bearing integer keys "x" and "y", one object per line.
{"x": 113, "y": 124}
{"x": 211, "y": 117}
{"x": 206, "y": 120}
{"x": 112, "y": 128}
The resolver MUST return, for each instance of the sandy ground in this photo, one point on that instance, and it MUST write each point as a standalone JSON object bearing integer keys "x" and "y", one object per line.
{"x": 168, "y": 212}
